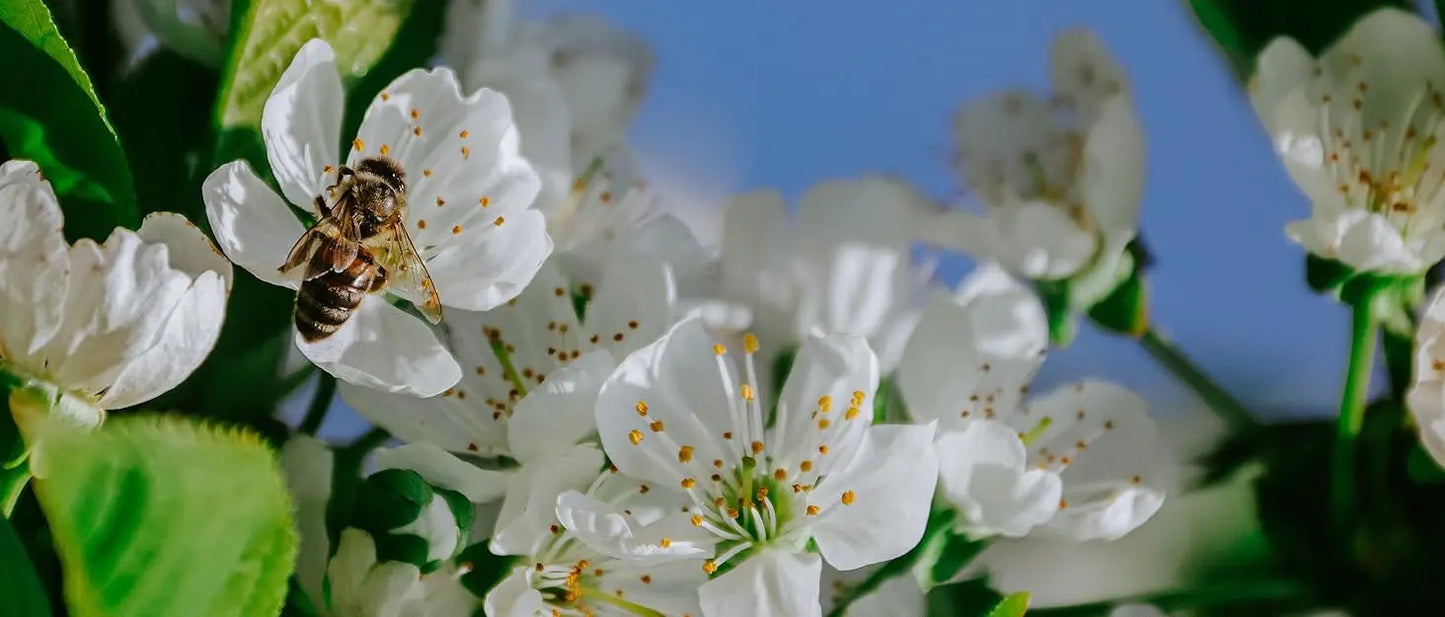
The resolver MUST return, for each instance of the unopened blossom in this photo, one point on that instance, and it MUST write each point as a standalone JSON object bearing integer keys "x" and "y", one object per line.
{"x": 641, "y": 572}
{"x": 1078, "y": 460}
{"x": 357, "y": 580}
{"x": 1060, "y": 175}
{"x": 575, "y": 83}
{"x": 1426, "y": 398}
{"x": 469, "y": 195}
{"x": 842, "y": 267}
{"x": 101, "y": 326}
{"x": 1358, "y": 130}
{"x": 678, "y": 415}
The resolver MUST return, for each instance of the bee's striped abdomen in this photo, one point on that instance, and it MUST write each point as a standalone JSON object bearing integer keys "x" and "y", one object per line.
{"x": 323, "y": 304}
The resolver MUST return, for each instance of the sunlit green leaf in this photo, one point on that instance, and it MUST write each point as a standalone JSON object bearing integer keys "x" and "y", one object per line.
{"x": 271, "y": 32}
{"x": 1012, "y": 606}
{"x": 134, "y": 508}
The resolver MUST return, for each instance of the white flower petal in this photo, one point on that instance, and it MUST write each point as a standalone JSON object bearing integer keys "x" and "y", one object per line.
{"x": 872, "y": 210}
{"x": 837, "y": 367}
{"x": 301, "y": 123}
{"x": 489, "y": 264}
{"x": 679, "y": 379}
{"x": 1115, "y": 483}
{"x": 1112, "y": 178}
{"x": 34, "y": 267}
{"x": 603, "y": 74}
{"x": 632, "y": 305}
{"x": 192, "y": 328}
{"x": 1283, "y": 66}
{"x": 361, "y": 586}
{"x": 307, "y": 464}
{"x": 121, "y": 297}
{"x": 891, "y": 478}
{"x": 1041, "y": 241}
{"x": 530, "y": 507}
{"x": 611, "y": 531}
{"x": 753, "y": 258}
{"x": 1084, "y": 72}
{"x": 384, "y": 348}
{"x": 1427, "y": 406}
{"x": 1007, "y": 317}
{"x": 443, "y": 470}
{"x": 453, "y": 423}
{"x": 514, "y": 596}
{"x": 455, "y": 150}
{"x": 969, "y": 362}
{"x": 1136, "y": 610}
{"x": 1009, "y": 147}
{"x": 561, "y": 412}
{"x": 251, "y": 223}
{"x": 771, "y": 583}
{"x": 982, "y": 472}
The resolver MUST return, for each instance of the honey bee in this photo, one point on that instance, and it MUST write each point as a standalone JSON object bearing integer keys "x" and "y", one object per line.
{"x": 359, "y": 246}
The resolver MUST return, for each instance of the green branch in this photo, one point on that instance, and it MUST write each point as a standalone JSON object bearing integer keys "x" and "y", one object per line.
{"x": 1216, "y": 397}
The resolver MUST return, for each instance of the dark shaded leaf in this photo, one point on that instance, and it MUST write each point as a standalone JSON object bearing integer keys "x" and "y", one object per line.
{"x": 21, "y": 594}
{"x": 54, "y": 116}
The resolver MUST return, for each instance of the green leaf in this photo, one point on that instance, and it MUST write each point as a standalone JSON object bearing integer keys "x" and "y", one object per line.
{"x": 156, "y": 515}
{"x": 1060, "y": 311}
{"x": 155, "y": 108}
{"x": 1422, "y": 468}
{"x": 1012, "y": 606}
{"x": 54, "y": 116}
{"x": 270, "y": 33}
{"x": 1242, "y": 28}
{"x": 21, "y": 594}
{"x": 1126, "y": 309}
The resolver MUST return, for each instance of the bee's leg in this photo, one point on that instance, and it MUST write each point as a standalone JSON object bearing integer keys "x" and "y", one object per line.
{"x": 321, "y": 207}
{"x": 378, "y": 281}
{"x": 341, "y": 174}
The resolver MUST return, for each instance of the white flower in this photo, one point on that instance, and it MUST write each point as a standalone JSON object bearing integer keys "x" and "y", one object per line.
{"x": 359, "y": 584}
{"x": 1061, "y": 176}
{"x": 843, "y": 268}
{"x": 469, "y": 193}
{"x": 1077, "y": 460}
{"x": 575, "y": 82}
{"x": 107, "y": 325}
{"x": 676, "y": 414}
{"x": 532, "y": 367}
{"x": 558, "y": 573}
{"x": 1357, "y": 129}
{"x": 1426, "y": 398}
{"x": 899, "y": 596}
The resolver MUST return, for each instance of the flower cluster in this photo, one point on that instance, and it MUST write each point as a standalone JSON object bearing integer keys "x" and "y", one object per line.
{"x": 576, "y": 408}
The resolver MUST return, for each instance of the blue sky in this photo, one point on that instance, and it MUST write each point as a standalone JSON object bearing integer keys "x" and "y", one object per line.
{"x": 755, "y": 94}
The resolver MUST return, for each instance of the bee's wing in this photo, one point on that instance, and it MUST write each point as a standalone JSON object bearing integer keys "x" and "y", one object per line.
{"x": 328, "y": 246}
{"x": 406, "y": 274}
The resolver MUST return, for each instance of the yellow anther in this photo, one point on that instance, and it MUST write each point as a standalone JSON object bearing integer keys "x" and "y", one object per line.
{"x": 812, "y": 510}
{"x": 642, "y": 408}
{"x": 709, "y": 566}
{"x": 748, "y": 394}
{"x": 717, "y": 348}
{"x": 656, "y": 426}
{"x": 757, "y": 447}
{"x": 665, "y": 542}
{"x": 825, "y": 403}
{"x": 848, "y": 498}
{"x": 851, "y": 413}
{"x": 750, "y": 343}
{"x": 635, "y": 437}
{"x": 684, "y": 454}
{"x": 688, "y": 483}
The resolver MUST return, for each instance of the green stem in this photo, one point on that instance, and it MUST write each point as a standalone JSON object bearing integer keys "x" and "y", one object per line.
{"x": 634, "y": 608}
{"x": 12, "y": 483}
{"x": 1352, "y": 409}
{"x": 320, "y": 402}
{"x": 1223, "y": 594}
{"x": 367, "y": 442}
{"x": 1221, "y": 401}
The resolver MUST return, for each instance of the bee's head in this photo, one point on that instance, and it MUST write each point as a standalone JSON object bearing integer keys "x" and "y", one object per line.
{"x": 388, "y": 170}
